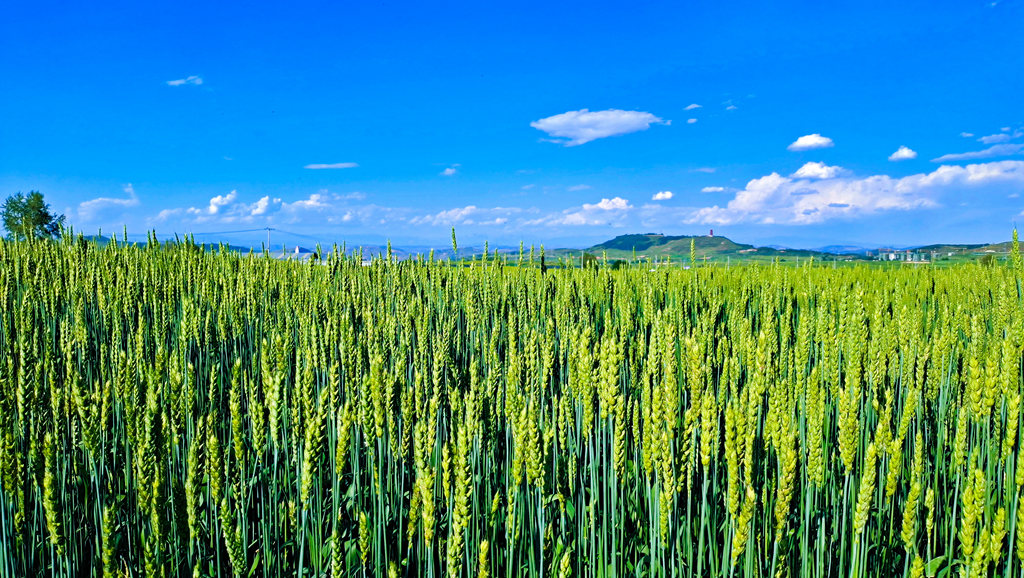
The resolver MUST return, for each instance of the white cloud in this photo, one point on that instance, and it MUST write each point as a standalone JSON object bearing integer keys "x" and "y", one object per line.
{"x": 374, "y": 215}
{"x": 575, "y": 188}
{"x": 449, "y": 171}
{"x": 260, "y": 207}
{"x": 449, "y": 217}
{"x": 321, "y": 166}
{"x": 167, "y": 213}
{"x": 315, "y": 202}
{"x": 778, "y": 199}
{"x": 220, "y": 207}
{"x": 731, "y": 107}
{"x": 606, "y": 212}
{"x": 216, "y": 203}
{"x": 902, "y": 154}
{"x": 580, "y": 218}
{"x": 691, "y": 121}
{"x": 817, "y": 171}
{"x": 1000, "y": 150}
{"x": 583, "y": 126}
{"x": 693, "y": 106}
{"x": 188, "y": 80}
{"x": 712, "y": 189}
{"x": 88, "y": 209}
{"x": 468, "y": 215}
{"x": 995, "y": 138}
{"x": 662, "y": 196}
{"x": 227, "y": 208}
{"x": 809, "y": 142}
{"x": 1005, "y": 135}
{"x": 708, "y": 170}
{"x": 614, "y": 204}
{"x": 221, "y": 201}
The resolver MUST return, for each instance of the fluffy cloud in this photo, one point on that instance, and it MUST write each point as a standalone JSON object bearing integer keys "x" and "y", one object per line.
{"x": 606, "y": 212}
{"x": 693, "y": 106}
{"x": 967, "y": 134}
{"x": 811, "y": 141}
{"x": 449, "y": 171}
{"x": 87, "y": 210}
{"x": 468, "y": 215}
{"x": 777, "y": 199}
{"x": 261, "y": 206}
{"x": 216, "y": 204}
{"x": 662, "y": 196}
{"x": 187, "y": 81}
{"x": 583, "y": 126}
{"x": 1001, "y": 150}
{"x": 902, "y": 154}
{"x": 691, "y": 121}
{"x": 315, "y": 202}
{"x": 449, "y": 217}
{"x": 712, "y": 189}
{"x": 322, "y": 166}
{"x": 216, "y": 208}
{"x": 319, "y": 207}
{"x": 817, "y": 171}
{"x": 614, "y": 204}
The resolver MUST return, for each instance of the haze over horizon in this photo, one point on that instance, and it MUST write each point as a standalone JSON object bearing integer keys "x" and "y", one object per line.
{"x": 792, "y": 124}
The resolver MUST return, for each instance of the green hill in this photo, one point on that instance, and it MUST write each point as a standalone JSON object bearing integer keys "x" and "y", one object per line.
{"x": 664, "y": 245}
{"x": 677, "y": 248}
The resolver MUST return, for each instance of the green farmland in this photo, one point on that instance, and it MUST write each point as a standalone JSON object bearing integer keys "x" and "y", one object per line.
{"x": 171, "y": 411}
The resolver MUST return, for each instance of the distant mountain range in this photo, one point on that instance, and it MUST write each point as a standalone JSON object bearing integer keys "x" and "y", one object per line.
{"x": 844, "y": 250}
{"x": 718, "y": 249}
{"x": 657, "y": 247}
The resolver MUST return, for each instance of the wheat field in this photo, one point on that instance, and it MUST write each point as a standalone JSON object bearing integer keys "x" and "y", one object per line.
{"x": 170, "y": 410}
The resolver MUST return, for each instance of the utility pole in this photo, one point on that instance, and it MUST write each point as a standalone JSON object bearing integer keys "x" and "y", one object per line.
{"x": 269, "y": 229}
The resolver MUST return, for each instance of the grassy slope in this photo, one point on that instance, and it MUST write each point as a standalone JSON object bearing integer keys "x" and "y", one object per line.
{"x": 715, "y": 249}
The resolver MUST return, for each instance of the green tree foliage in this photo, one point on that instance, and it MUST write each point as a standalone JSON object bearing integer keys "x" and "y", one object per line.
{"x": 29, "y": 217}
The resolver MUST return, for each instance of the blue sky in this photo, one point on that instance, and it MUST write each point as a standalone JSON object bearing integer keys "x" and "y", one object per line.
{"x": 555, "y": 123}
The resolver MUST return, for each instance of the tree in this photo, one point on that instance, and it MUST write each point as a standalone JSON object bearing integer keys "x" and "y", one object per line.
{"x": 29, "y": 217}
